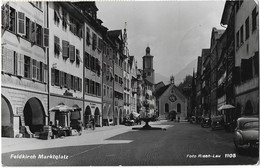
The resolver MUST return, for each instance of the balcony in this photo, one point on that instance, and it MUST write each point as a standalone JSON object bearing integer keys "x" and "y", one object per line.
{"x": 248, "y": 85}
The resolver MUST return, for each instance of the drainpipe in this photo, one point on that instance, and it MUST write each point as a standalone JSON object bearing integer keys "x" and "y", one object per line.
{"x": 83, "y": 79}
{"x": 48, "y": 66}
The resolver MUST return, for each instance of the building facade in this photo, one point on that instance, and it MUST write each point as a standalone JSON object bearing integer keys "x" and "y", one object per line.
{"x": 65, "y": 56}
{"x": 24, "y": 68}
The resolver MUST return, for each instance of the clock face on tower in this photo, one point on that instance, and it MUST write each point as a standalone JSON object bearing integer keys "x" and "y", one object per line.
{"x": 172, "y": 98}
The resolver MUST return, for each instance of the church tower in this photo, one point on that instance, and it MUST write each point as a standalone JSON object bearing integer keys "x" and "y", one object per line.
{"x": 148, "y": 66}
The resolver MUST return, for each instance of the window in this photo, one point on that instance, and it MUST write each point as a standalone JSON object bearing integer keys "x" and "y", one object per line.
{"x": 108, "y": 90}
{"x": 179, "y": 108}
{"x": 88, "y": 36}
{"x": 87, "y": 86}
{"x": 33, "y": 32}
{"x": 94, "y": 41}
{"x": 105, "y": 90}
{"x": 80, "y": 84}
{"x": 52, "y": 76}
{"x": 38, "y": 72}
{"x": 46, "y": 37}
{"x": 56, "y": 77}
{"x": 247, "y": 28}
{"x": 68, "y": 76}
{"x": 91, "y": 87}
{"x": 77, "y": 57}
{"x": 19, "y": 64}
{"x": 34, "y": 69}
{"x": 72, "y": 82}
{"x": 38, "y": 35}
{"x": 27, "y": 67}
{"x": 237, "y": 39}
{"x": 8, "y": 61}
{"x": 64, "y": 19}
{"x": 21, "y": 23}
{"x": 99, "y": 44}
{"x": 5, "y": 16}
{"x": 12, "y": 20}
{"x": 56, "y": 45}
{"x": 27, "y": 28}
{"x": 241, "y": 35}
{"x": 116, "y": 78}
{"x": 72, "y": 53}
{"x": 104, "y": 68}
{"x": 65, "y": 49}
{"x": 254, "y": 19}
{"x": 61, "y": 79}
{"x": 57, "y": 15}
{"x": 65, "y": 80}
{"x": 87, "y": 60}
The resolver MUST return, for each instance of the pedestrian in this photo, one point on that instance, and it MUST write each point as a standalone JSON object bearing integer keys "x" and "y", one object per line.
{"x": 93, "y": 122}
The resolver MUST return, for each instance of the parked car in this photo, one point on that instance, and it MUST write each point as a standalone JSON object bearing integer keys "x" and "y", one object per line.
{"x": 217, "y": 122}
{"x": 247, "y": 133}
{"x": 205, "y": 122}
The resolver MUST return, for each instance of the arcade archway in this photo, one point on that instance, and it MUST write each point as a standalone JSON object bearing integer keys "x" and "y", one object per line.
{"x": 87, "y": 115}
{"x": 97, "y": 117}
{"x": 7, "y": 118}
{"x": 34, "y": 115}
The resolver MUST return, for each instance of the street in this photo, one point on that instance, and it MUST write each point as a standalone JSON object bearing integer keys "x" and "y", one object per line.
{"x": 180, "y": 144}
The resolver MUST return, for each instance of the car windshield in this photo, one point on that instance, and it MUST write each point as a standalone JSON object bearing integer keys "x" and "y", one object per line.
{"x": 251, "y": 124}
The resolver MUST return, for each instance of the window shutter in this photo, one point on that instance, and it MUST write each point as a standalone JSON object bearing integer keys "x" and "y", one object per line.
{"x": 4, "y": 59}
{"x": 9, "y": 67}
{"x": 61, "y": 79}
{"x": 65, "y": 49}
{"x": 45, "y": 77}
{"x": 76, "y": 87}
{"x": 68, "y": 81}
{"x": 38, "y": 70}
{"x": 72, "y": 82}
{"x": 52, "y": 76}
{"x": 80, "y": 84}
{"x": 45, "y": 37}
{"x": 72, "y": 53}
{"x": 33, "y": 32}
{"x": 21, "y": 23}
{"x": 20, "y": 65}
{"x": 5, "y": 16}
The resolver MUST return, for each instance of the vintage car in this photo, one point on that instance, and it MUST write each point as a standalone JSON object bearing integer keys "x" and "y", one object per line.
{"x": 217, "y": 122}
{"x": 247, "y": 133}
{"x": 205, "y": 122}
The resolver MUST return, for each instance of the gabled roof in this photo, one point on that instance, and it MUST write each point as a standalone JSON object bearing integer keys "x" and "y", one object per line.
{"x": 162, "y": 90}
{"x": 114, "y": 33}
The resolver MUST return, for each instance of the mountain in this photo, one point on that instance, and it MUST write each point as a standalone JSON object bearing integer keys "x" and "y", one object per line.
{"x": 188, "y": 70}
{"x": 159, "y": 78}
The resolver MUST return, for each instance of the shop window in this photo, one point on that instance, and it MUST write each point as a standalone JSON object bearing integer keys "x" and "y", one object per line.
{"x": 27, "y": 28}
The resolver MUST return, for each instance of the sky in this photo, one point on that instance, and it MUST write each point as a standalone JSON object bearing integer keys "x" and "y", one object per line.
{"x": 176, "y": 31}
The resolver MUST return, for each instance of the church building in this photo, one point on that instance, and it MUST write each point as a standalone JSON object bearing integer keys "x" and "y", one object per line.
{"x": 171, "y": 103}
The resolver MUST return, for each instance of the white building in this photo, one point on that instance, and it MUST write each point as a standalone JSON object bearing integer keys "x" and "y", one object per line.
{"x": 65, "y": 56}
{"x": 24, "y": 68}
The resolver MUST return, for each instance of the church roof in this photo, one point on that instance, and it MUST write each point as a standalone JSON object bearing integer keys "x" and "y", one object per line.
{"x": 162, "y": 90}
